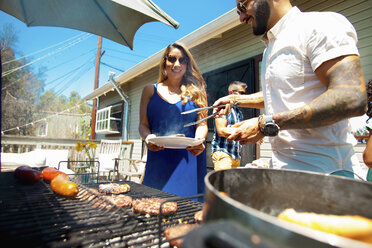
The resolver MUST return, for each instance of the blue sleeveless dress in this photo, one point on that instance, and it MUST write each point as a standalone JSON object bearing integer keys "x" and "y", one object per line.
{"x": 175, "y": 171}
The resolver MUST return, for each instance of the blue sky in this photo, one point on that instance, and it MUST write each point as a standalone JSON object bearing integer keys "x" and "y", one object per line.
{"x": 69, "y": 66}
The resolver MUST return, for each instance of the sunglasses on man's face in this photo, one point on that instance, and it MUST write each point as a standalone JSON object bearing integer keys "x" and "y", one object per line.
{"x": 241, "y": 7}
{"x": 182, "y": 60}
{"x": 239, "y": 92}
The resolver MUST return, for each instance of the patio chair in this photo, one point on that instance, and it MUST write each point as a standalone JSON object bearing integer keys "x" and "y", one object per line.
{"x": 136, "y": 169}
{"x": 109, "y": 156}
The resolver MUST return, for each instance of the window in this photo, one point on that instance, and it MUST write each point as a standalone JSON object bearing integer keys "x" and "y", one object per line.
{"x": 42, "y": 129}
{"x": 109, "y": 119}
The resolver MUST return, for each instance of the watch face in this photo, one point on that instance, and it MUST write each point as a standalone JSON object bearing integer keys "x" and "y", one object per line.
{"x": 271, "y": 129}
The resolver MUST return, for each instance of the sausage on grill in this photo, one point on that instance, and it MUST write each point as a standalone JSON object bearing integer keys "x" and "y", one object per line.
{"x": 198, "y": 216}
{"x": 177, "y": 231}
{"x": 26, "y": 174}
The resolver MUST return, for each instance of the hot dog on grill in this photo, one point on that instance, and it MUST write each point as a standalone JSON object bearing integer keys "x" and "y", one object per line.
{"x": 178, "y": 231}
{"x": 349, "y": 226}
{"x": 63, "y": 186}
{"x": 27, "y": 175}
{"x": 49, "y": 173}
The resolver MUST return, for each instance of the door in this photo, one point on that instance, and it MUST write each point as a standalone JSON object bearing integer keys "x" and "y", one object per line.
{"x": 217, "y": 86}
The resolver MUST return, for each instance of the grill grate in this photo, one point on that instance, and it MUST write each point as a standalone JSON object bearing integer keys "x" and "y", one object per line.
{"x": 33, "y": 215}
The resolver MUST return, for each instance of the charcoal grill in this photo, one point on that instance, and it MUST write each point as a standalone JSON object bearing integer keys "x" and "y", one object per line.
{"x": 35, "y": 216}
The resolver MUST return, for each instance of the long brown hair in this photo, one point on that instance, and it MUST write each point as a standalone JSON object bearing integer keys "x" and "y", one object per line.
{"x": 369, "y": 94}
{"x": 192, "y": 84}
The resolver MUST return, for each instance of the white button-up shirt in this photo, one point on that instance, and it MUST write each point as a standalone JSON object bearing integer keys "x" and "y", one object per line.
{"x": 295, "y": 47}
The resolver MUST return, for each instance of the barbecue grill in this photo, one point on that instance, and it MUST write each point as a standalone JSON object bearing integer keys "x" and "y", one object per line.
{"x": 35, "y": 216}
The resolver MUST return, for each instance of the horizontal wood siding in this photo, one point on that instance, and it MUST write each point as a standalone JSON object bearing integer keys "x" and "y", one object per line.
{"x": 134, "y": 92}
{"x": 359, "y": 14}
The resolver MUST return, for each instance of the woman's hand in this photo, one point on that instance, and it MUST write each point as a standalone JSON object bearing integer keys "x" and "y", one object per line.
{"x": 152, "y": 146}
{"x": 196, "y": 150}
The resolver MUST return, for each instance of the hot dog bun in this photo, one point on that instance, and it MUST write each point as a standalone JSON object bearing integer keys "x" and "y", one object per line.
{"x": 349, "y": 226}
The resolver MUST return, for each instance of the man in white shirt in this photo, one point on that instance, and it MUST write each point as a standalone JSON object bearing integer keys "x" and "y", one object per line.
{"x": 312, "y": 82}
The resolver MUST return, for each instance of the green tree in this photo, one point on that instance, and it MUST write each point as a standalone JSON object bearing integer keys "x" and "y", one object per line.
{"x": 23, "y": 100}
{"x": 50, "y": 104}
{"x": 19, "y": 87}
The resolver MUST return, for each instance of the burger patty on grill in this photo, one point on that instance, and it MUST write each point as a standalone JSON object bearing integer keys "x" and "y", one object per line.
{"x": 118, "y": 200}
{"x": 152, "y": 206}
{"x": 177, "y": 231}
{"x": 113, "y": 188}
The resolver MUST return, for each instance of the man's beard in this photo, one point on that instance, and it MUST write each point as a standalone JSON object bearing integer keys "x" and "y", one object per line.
{"x": 262, "y": 17}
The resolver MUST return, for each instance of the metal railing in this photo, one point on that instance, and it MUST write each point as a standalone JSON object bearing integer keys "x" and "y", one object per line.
{"x": 22, "y": 144}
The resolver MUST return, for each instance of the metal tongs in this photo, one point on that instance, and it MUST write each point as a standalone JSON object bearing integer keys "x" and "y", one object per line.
{"x": 206, "y": 108}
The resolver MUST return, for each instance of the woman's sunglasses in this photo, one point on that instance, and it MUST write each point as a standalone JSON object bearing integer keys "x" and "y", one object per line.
{"x": 182, "y": 60}
{"x": 241, "y": 7}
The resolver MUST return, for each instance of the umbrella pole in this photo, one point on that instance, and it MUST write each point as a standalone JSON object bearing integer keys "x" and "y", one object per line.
{"x": 96, "y": 77}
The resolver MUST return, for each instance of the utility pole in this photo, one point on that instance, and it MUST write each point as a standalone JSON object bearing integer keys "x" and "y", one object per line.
{"x": 96, "y": 77}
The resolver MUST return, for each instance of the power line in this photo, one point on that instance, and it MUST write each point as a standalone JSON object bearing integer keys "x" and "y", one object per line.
{"x": 132, "y": 54}
{"x": 123, "y": 59}
{"x": 69, "y": 60}
{"x": 77, "y": 76}
{"x": 41, "y": 50}
{"x": 42, "y": 119}
{"x": 47, "y": 55}
{"x": 110, "y": 66}
{"x": 63, "y": 63}
{"x": 68, "y": 73}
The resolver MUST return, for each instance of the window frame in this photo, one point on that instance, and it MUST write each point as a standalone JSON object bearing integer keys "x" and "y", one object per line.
{"x": 104, "y": 118}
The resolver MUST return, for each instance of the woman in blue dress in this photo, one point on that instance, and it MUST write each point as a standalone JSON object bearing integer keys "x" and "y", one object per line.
{"x": 180, "y": 87}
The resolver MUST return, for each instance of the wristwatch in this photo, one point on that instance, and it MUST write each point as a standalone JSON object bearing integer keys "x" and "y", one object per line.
{"x": 270, "y": 128}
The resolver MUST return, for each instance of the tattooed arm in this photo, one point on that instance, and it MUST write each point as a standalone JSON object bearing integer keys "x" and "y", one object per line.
{"x": 345, "y": 97}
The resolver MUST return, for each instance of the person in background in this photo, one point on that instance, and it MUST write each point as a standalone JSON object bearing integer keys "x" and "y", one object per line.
{"x": 180, "y": 87}
{"x": 226, "y": 154}
{"x": 367, "y": 154}
{"x": 312, "y": 82}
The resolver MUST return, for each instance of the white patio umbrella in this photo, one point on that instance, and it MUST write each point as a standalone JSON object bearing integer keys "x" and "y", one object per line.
{"x": 117, "y": 20}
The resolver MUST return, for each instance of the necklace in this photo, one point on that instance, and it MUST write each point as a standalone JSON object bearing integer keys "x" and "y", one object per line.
{"x": 174, "y": 91}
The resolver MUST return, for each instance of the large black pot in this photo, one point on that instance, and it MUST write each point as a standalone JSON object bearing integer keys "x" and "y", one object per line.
{"x": 257, "y": 196}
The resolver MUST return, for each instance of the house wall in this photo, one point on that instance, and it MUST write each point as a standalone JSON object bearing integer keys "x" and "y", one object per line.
{"x": 238, "y": 44}
{"x": 66, "y": 126}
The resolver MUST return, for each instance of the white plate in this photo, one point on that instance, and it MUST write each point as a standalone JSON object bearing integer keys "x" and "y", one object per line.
{"x": 175, "y": 142}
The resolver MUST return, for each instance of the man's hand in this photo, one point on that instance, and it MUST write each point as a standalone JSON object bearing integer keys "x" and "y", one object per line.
{"x": 246, "y": 132}
{"x": 224, "y": 110}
